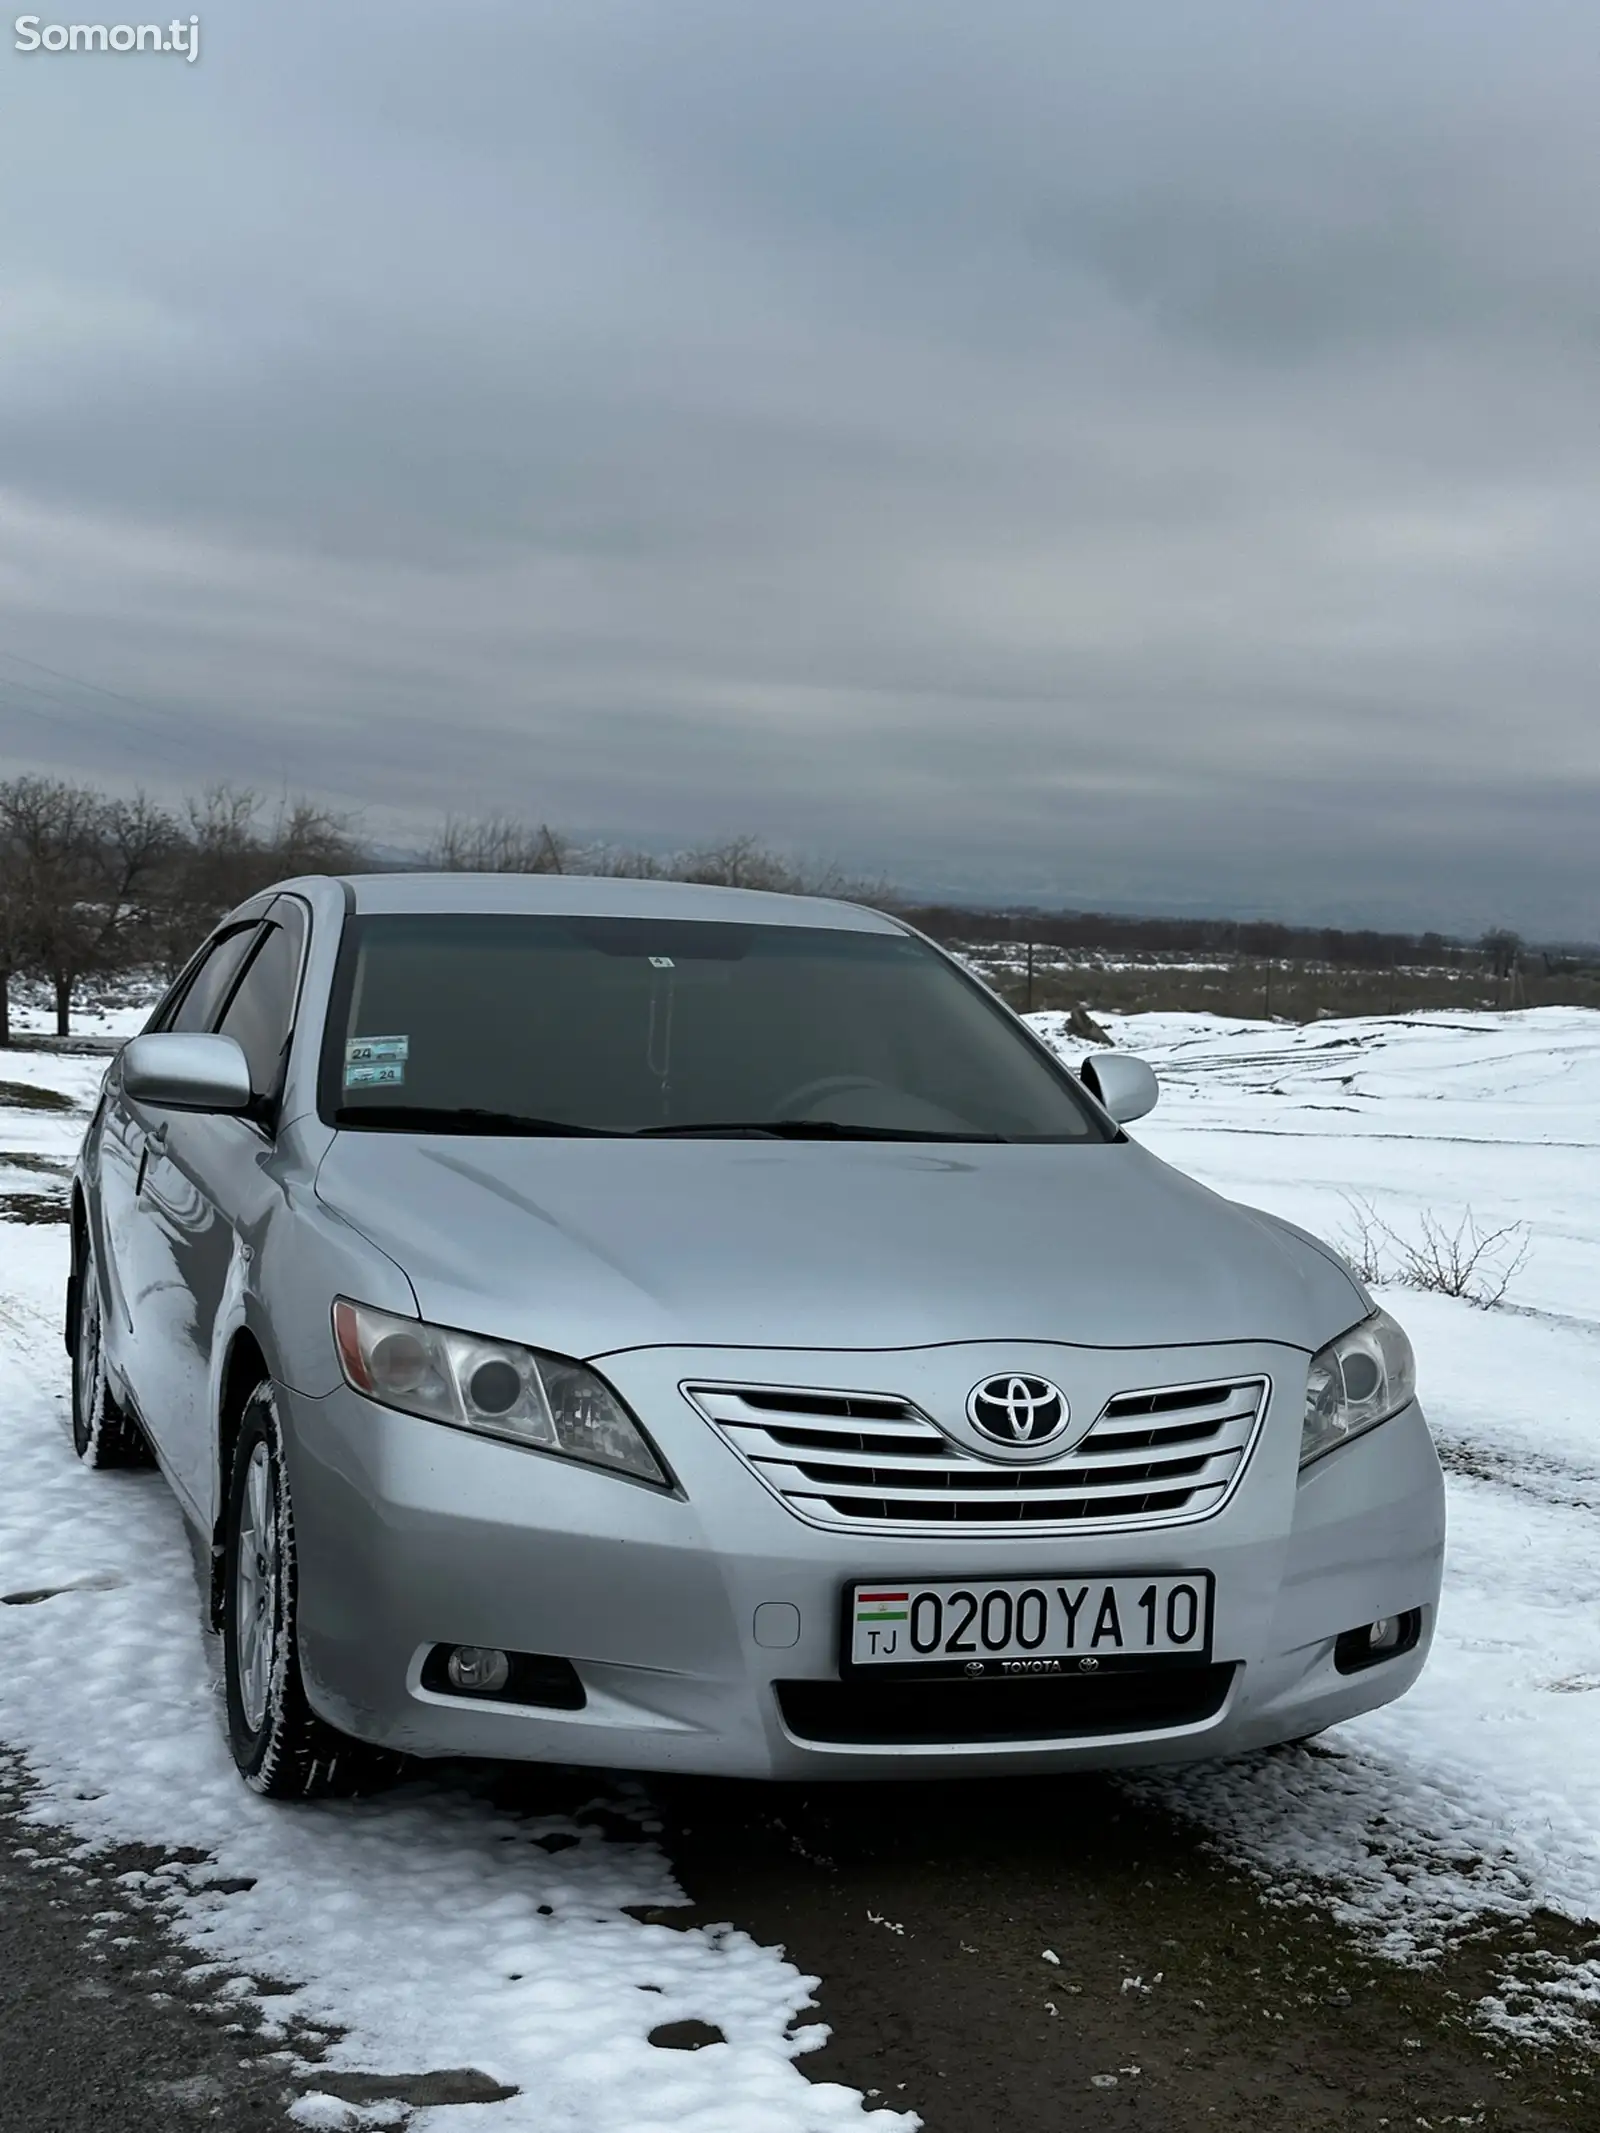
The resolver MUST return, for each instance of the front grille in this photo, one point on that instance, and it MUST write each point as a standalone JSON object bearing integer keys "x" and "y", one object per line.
{"x": 851, "y": 1460}
{"x": 888, "y": 1714}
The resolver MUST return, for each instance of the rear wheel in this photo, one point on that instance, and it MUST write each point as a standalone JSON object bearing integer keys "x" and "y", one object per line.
{"x": 282, "y": 1748}
{"x": 103, "y": 1434}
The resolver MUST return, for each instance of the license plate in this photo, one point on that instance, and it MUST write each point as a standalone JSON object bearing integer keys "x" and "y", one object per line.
{"x": 1045, "y": 1625}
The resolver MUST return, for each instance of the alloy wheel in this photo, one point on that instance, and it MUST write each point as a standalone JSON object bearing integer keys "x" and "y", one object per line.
{"x": 89, "y": 1391}
{"x": 257, "y": 1573}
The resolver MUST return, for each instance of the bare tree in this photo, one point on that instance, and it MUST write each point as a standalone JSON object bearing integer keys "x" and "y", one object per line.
{"x": 740, "y": 863}
{"x": 307, "y": 838}
{"x": 225, "y": 852}
{"x": 76, "y": 873}
{"x": 88, "y": 883}
{"x": 136, "y": 843}
{"x": 1502, "y": 951}
{"x": 497, "y": 844}
{"x": 501, "y": 844}
{"x": 57, "y": 924}
{"x": 618, "y": 862}
{"x": 13, "y": 946}
{"x": 217, "y": 863}
{"x": 746, "y": 863}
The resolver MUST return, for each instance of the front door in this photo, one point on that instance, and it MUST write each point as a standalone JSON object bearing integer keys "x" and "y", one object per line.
{"x": 147, "y": 1315}
{"x": 211, "y": 1190}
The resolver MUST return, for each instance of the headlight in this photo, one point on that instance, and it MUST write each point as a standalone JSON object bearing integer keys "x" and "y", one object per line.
{"x": 1358, "y": 1381}
{"x": 492, "y": 1386}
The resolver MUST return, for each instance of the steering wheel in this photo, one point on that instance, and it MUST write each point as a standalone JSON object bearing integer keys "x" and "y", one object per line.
{"x": 800, "y": 1099}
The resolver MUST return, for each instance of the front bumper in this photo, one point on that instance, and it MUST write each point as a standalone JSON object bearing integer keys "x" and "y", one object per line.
{"x": 412, "y": 1535}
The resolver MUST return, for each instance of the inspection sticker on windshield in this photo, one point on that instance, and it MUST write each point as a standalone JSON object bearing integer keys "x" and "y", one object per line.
{"x": 1044, "y": 1625}
{"x": 364, "y": 1051}
{"x": 381, "y": 1074}
{"x": 661, "y": 962}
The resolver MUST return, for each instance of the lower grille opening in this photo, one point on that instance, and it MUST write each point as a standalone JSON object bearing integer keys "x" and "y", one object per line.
{"x": 891, "y": 1714}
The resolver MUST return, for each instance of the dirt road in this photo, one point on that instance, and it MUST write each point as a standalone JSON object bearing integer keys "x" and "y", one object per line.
{"x": 1016, "y": 1955}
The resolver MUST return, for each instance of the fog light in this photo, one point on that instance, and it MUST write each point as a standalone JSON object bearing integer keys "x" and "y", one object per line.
{"x": 478, "y": 1669}
{"x": 1386, "y": 1638}
{"x": 536, "y": 1679}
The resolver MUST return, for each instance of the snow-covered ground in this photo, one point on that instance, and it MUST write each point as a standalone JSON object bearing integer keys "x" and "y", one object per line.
{"x": 440, "y": 1930}
{"x": 1481, "y": 1789}
{"x": 432, "y": 1928}
{"x": 120, "y": 1009}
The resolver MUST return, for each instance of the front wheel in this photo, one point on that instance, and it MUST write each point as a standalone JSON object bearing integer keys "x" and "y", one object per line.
{"x": 282, "y": 1748}
{"x": 103, "y": 1434}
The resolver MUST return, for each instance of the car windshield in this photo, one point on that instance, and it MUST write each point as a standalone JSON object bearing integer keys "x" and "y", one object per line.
{"x": 508, "y": 1023}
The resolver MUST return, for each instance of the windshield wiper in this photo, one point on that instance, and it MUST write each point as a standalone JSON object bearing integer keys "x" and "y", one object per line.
{"x": 425, "y": 1118}
{"x": 470, "y": 1119}
{"x": 805, "y": 1129}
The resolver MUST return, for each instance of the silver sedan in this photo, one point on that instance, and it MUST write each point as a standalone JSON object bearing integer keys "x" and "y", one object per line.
{"x": 686, "y": 1329}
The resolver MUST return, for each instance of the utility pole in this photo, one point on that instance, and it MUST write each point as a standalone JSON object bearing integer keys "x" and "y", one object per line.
{"x": 1028, "y": 1010}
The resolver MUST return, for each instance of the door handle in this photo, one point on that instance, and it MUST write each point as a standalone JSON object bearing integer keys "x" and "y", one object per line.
{"x": 155, "y": 1143}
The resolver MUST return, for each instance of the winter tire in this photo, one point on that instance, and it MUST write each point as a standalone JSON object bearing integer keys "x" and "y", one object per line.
{"x": 283, "y": 1749}
{"x": 103, "y": 1433}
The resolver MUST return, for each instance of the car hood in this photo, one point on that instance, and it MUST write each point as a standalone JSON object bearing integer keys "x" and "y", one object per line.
{"x": 590, "y": 1246}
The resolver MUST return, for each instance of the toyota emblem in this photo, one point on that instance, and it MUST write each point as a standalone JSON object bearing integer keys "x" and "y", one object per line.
{"x": 1018, "y": 1411}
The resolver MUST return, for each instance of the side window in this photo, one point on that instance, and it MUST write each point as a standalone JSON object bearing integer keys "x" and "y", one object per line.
{"x": 197, "y": 1007}
{"x": 262, "y": 1008}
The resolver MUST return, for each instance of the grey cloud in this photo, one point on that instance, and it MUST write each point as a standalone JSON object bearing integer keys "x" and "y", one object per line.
{"x": 1146, "y": 455}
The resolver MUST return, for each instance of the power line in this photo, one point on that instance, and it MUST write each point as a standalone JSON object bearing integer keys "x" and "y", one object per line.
{"x": 57, "y": 704}
{"x": 167, "y": 746}
{"x": 95, "y": 688}
{"x": 78, "y": 682}
{"x": 102, "y": 730}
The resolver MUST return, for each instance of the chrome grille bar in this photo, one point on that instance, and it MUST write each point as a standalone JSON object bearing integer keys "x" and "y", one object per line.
{"x": 854, "y": 1460}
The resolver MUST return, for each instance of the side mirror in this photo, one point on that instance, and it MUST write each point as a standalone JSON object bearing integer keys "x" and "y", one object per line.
{"x": 1126, "y": 1086}
{"x": 186, "y": 1071}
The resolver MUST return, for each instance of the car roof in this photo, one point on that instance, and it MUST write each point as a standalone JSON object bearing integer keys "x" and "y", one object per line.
{"x": 607, "y": 896}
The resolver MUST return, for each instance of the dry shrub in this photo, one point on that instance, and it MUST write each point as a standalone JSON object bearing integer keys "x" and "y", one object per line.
{"x": 1475, "y": 1264}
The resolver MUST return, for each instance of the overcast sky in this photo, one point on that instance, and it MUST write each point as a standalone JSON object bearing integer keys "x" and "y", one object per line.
{"x": 1144, "y": 455}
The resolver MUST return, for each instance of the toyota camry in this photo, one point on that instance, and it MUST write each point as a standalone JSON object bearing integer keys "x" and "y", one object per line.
{"x": 690, "y": 1329}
